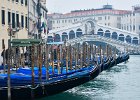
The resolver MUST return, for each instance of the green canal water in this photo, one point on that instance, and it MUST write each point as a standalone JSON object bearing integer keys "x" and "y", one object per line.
{"x": 121, "y": 82}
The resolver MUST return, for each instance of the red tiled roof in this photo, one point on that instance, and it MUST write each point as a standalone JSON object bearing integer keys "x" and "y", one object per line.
{"x": 91, "y": 12}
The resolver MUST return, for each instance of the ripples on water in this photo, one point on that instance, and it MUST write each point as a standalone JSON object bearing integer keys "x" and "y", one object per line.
{"x": 121, "y": 82}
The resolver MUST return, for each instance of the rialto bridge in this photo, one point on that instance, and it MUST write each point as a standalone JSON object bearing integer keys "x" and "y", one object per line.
{"x": 90, "y": 27}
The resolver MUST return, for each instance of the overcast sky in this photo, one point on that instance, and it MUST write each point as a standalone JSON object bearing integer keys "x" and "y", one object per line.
{"x": 64, "y": 6}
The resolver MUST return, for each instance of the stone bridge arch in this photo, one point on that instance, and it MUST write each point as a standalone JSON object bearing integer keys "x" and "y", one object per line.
{"x": 114, "y": 35}
{"x": 100, "y": 32}
{"x": 107, "y": 33}
{"x": 89, "y": 25}
{"x": 128, "y": 39}
{"x": 57, "y": 38}
{"x": 79, "y": 32}
{"x": 121, "y": 37}
{"x": 135, "y": 40}
{"x": 64, "y": 36}
{"x": 71, "y": 34}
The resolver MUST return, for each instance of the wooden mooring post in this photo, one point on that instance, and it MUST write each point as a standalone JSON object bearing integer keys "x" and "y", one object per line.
{"x": 8, "y": 79}
{"x": 89, "y": 54}
{"x": 83, "y": 54}
{"x": 81, "y": 58}
{"x": 40, "y": 62}
{"x": 23, "y": 57}
{"x": 52, "y": 59}
{"x": 33, "y": 74}
{"x": 4, "y": 55}
{"x": 95, "y": 55}
{"x": 58, "y": 59}
{"x": 76, "y": 58}
{"x": 18, "y": 57}
{"x": 67, "y": 58}
{"x": 100, "y": 54}
{"x": 46, "y": 61}
{"x": 107, "y": 47}
{"x": 115, "y": 52}
{"x": 70, "y": 56}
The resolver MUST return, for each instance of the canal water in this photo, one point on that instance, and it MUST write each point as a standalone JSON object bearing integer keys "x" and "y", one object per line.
{"x": 121, "y": 82}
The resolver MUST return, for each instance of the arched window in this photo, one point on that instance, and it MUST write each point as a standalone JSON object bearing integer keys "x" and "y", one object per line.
{"x": 79, "y": 32}
{"x": 107, "y": 33}
{"x": 121, "y": 37}
{"x": 114, "y": 35}
{"x": 50, "y": 39}
{"x": 128, "y": 38}
{"x": 135, "y": 40}
{"x": 57, "y": 38}
{"x": 71, "y": 34}
{"x": 64, "y": 36}
{"x": 100, "y": 32}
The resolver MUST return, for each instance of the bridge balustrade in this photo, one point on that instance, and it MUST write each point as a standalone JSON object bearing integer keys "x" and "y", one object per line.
{"x": 103, "y": 39}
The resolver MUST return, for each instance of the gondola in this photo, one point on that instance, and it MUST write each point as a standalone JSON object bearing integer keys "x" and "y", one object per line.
{"x": 21, "y": 84}
{"x": 21, "y": 87}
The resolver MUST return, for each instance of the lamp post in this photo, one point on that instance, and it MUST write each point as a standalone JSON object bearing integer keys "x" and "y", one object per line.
{"x": 10, "y": 33}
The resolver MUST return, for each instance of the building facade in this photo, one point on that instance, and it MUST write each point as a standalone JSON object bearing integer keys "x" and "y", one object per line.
{"x": 105, "y": 16}
{"x": 21, "y": 16}
{"x": 122, "y": 19}
{"x": 13, "y": 17}
{"x": 34, "y": 16}
{"x": 131, "y": 20}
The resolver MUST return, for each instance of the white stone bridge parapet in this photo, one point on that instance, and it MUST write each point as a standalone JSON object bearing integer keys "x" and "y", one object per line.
{"x": 120, "y": 45}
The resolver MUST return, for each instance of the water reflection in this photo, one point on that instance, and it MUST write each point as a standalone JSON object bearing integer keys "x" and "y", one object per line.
{"x": 63, "y": 96}
{"x": 89, "y": 91}
{"x": 119, "y": 68}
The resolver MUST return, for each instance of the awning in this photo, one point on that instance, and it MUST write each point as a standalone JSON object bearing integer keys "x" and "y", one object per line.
{"x": 25, "y": 42}
{"x": 56, "y": 43}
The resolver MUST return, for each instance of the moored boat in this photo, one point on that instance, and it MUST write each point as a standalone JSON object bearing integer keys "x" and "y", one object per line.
{"x": 22, "y": 87}
{"x": 21, "y": 84}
